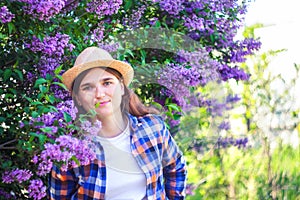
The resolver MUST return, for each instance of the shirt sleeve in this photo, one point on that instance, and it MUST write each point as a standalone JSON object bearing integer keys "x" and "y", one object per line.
{"x": 62, "y": 184}
{"x": 174, "y": 167}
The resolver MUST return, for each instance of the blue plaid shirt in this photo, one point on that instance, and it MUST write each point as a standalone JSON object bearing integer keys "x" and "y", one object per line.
{"x": 156, "y": 153}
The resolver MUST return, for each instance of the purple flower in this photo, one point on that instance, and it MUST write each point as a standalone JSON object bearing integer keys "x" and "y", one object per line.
{"x": 232, "y": 73}
{"x": 104, "y": 7}
{"x": 18, "y": 175}
{"x": 230, "y": 141}
{"x": 5, "y": 194}
{"x": 193, "y": 22}
{"x": 224, "y": 125}
{"x": 65, "y": 150}
{"x": 5, "y": 15}
{"x": 133, "y": 21}
{"x": 172, "y": 7}
{"x": 36, "y": 189}
{"x": 43, "y": 9}
{"x": 91, "y": 129}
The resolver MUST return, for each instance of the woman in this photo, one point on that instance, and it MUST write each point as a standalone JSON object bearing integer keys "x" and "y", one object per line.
{"x": 136, "y": 156}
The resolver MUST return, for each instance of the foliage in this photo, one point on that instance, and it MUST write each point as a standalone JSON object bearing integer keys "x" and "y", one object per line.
{"x": 39, "y": 40}
{"x": 267, "y": 167}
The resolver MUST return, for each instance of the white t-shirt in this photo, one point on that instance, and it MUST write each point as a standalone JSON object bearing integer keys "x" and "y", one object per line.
{"x": 125, "y": 179}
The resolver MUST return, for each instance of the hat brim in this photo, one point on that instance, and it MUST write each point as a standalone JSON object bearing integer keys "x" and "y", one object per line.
{"x": 124, "y": 68}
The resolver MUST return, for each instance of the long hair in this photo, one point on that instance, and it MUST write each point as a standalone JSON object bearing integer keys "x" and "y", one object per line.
{"x": 130, "y": 103}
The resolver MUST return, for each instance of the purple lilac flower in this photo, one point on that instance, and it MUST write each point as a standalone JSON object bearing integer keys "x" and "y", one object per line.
{"x": 98, "y": 33}
{"x": 51, "y": 46}
{"x": 109, "y": 47}
{"x": 240, "y": 49}
{"x": 64, "y": 150}
{"x": 49, "y": 120}
{"x": 172, "y": 7}
{"x": 104, "y": 7}
{"x": 199, "y": 71}
{"x": 133, "y": 21}
{"x": 91, "y": 129}
{"x": 232, "y": 73}
{"x": 193, "y": 22}
{"x": 5, "y": 15}
{"x": 224, "y": 126}
{"x": 17, "y": 175}
{"x": 216, "y": 19}
{"x": 43, "y": 9}
{"x": 230, "y": 141}
{"x": 232, "y": 98}
{"x": 5, "y": 194}
{"x": 37, "y": 189}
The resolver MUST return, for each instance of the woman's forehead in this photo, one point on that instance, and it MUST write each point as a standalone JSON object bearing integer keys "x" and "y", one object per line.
{"x": 97, "y": 74}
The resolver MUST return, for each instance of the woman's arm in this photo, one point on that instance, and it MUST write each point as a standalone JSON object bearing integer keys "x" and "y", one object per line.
{"x": 62, "y": 184}
{"x": 174, "y": 168}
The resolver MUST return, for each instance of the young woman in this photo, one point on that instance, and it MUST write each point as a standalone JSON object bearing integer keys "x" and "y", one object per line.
{"x": 136, "y": 156}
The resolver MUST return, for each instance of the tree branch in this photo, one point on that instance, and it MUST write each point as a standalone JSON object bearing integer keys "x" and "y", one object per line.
{"x": 3, "y": 146}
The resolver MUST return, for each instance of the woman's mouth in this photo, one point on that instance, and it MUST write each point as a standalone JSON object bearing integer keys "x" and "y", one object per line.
{"x": 103, "y": 103}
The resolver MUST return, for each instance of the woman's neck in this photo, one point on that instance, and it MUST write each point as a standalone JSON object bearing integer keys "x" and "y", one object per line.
{"x": 113, "y": 126}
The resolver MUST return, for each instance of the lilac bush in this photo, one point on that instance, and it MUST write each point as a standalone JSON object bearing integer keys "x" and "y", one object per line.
{"x": 5, "y": 15}
{"x": 39, "y": 40}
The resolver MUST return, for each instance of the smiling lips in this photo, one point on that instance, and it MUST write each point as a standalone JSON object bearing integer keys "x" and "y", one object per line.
{"x": 102, "y": 103}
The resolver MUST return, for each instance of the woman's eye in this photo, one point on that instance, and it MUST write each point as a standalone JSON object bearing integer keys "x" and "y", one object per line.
{"x": 86, "y": 88}
{"x": 107, "y": 83}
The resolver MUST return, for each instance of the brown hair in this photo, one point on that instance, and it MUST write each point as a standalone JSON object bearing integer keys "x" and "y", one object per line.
{"x": 131, "y": 103}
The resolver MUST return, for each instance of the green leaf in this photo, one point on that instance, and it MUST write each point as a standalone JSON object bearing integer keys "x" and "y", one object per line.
{"x": 61, "y": 85}
{"x": 67, "y": 117}
{"x": 11, "y": 27}
{"x": 128, "y": 5}
{"x": 20, "y": 74}
{"x": 43, "y": 89}
{"x": 34, "y": 114}
{"x": 157, "y": 105}
{"x": 173, "y": 106}
{"x": 58, "y": 70}
{"x": 7, "y": 74}
{"x": 39, "y": 82}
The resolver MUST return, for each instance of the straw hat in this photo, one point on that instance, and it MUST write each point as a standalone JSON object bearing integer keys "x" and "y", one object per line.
{"x": 93, "y": 57}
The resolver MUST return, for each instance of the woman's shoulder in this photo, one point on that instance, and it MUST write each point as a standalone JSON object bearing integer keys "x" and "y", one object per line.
{"x": 150, "y": 123}
{"x": 149, "y": 119}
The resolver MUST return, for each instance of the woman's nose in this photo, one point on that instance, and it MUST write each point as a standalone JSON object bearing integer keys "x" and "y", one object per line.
{"x": 100, "y": 92}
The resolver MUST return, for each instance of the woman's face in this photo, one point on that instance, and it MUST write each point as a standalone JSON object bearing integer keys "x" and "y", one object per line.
{"x": 101, "y": 91}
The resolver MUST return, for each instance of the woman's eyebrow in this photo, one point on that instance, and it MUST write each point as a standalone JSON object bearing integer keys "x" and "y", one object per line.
{"x": 101, "y": 80}
{"x": 106, "y": 79}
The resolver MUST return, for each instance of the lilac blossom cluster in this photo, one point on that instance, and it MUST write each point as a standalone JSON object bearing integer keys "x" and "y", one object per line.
{"x": 5, "y": 15}
{"x": 193, "y": 22}
{"x": 16, "y": 175}
{"x": 91, "y": 129}
{"x": 110, "y": 47}
{"x": 51, "y": 46}
{"x": 236, "y": 73}
{"x": 215, "y": 17}
{"x": 37, "y": 189}
{"x": 104, "y": 7}
{"x": 66, "y": 150}
{"x": 52, "y": 50}
{"x": 172, "y": 7}
{"x": 230, "y": 141}
{"x": 196, "y": 69}
{"x": 217, "y": 108}
{"x": 5, "y": 194}
{"x": 43, "y": 9}
{"x": 241, "y": 49}
{"x": 133, "y": 21}
{"x": 53, "y": 120}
